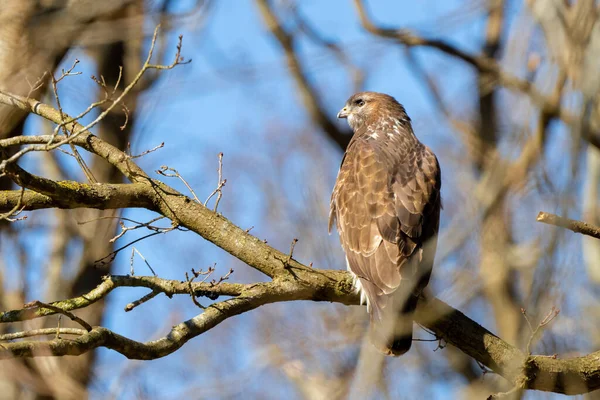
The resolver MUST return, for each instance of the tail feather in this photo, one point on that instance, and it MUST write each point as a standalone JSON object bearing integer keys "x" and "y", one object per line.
{"x": 392, "y": 335}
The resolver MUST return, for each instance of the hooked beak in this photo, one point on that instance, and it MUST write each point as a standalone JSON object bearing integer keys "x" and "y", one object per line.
{"x": 343, "y": 113}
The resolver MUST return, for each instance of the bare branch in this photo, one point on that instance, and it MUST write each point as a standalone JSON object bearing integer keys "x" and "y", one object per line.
{"x": 18, "y": 207}
{"x": 166, "y": 286}
{"x": 218, "y": 191}
{"x": 160, "y": 146}
{"x": 59, "y": 310}
{"x": 176, "y": 174}
{"x": 42, "y": 332}
{"x": 576, "y": 226}
{"x": 133, "y": 251}
{"x": 142, "y": 300}
{"x": 71, "y": 124}
{"x": 86, "y": 170}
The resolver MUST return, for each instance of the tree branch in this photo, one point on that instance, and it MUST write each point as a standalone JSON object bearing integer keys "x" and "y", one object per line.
{"x": 84, "y": 138}
{"x": 166, "y": 286}
{"x": 569, "y": 376}
{"x": 71, "y": 195}
{"x": 576, "y": 226}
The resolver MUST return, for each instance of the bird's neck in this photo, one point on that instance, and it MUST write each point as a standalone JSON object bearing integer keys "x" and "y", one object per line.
{"x": 387, "y": 127}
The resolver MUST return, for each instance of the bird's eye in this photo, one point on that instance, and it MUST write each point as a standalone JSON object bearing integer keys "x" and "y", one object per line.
{"x": 359, "y": 102}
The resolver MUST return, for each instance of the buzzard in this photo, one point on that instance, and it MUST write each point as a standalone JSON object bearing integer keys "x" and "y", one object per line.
{"x": 386, "y": 202}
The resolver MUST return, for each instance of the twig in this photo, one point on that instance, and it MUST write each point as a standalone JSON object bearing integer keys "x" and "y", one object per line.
{"x": 16, "y": 210}
{"x": 142, "y": 300}
{"x": 220, "y": 185}
{"x": 209, "y": 271}
{"x": 441, "y": 344}
{"x": 160, "y": 146}
{"x": 59, "y": 310}
{"x": 111, "y": 256}
{"x": 126, "y": 112}
{"x": 292, "y": 245}
{"x": 120, "y": 218}
{"x": 79, "y": 129}
{"x": 42, "y": 332}
{"x": 86, "y": 170}
{"x": 125, "y": 229}
{"x": 223, "y": 278}
{"x": 58, "y": 326}
{"x": 37, "y": 85}
{"x": 157, "y": 231}
{"x": 192, "y": 294}
{"x": 576, "y": 226}
{"x": 133, "y": 251}
{"x": 176, "y": 174}
{"x": 503, "y": 394}
{"x": 547, "y": 319}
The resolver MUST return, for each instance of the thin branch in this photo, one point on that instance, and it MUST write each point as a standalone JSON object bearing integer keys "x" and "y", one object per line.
{"x": 138, "y": 225}
{"x": 218, "y": 191}
{"x": 18, "y": 207}
{"x": 71, "y": 124}
{"x": 191, "y": 291}
{"x": 59, "y": 310}
{"x": 292, "y": 246}
{"x": 86, "y": 170}
{"x": 576, "y": 226}
{"x": 166, "y": 286}
{"x": 42, "y": 332}
{"x": 133, "y": 251}
{"x": 142, "y": 300}
{"x": 160, "y": 146}
{"x": 107, "y": 259}
{"x": 553, "y": 313}
{"x": 176, "y": 174}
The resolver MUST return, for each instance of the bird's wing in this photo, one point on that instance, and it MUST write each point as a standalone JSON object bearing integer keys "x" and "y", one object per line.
{"x": 385, "y": 208}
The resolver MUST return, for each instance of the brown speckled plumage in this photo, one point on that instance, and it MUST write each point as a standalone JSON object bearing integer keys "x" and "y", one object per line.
{"x": 386, "y": 201}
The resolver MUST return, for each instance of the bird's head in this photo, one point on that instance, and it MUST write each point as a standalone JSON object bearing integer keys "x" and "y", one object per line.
{"x": 367, "y": 106}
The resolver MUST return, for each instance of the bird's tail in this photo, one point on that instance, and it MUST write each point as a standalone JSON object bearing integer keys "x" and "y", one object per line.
{"x": 392, "y": 332}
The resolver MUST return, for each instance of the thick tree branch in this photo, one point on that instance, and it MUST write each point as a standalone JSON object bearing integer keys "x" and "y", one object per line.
{"x": 71, "y": 195}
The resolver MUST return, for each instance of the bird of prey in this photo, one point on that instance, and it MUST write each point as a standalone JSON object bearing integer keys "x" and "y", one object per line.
{"x": 386, "y": 202}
